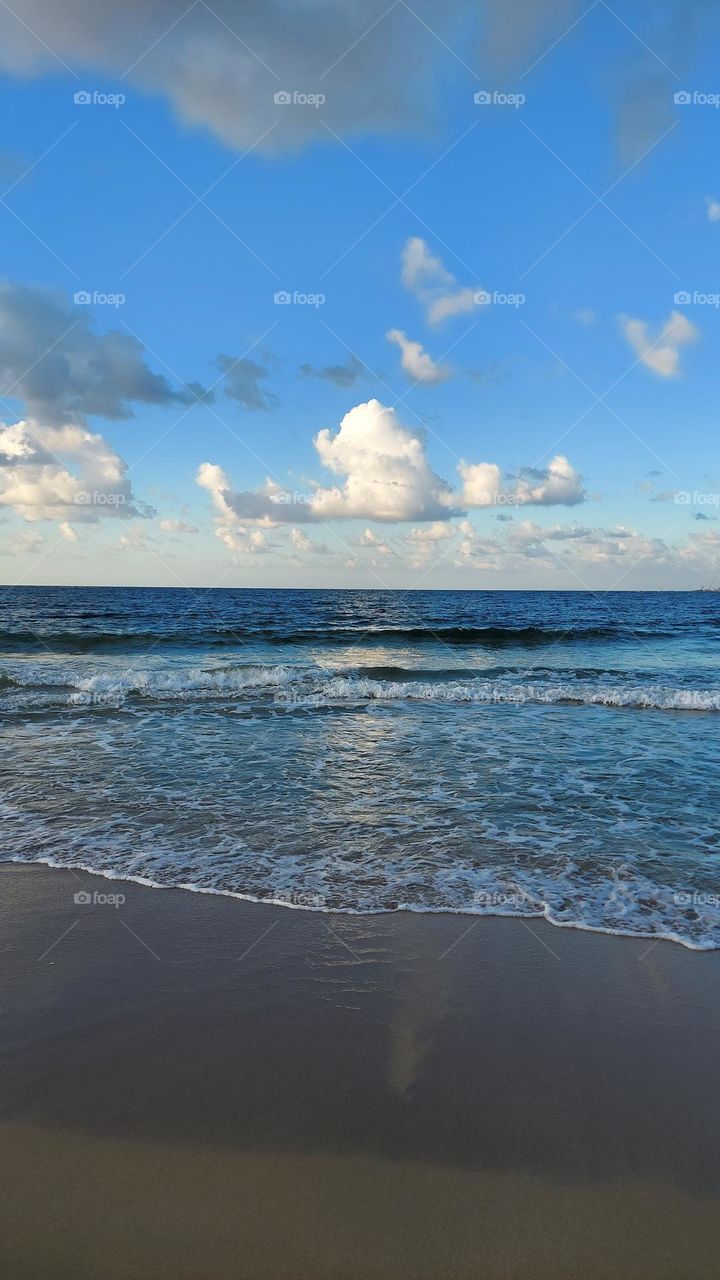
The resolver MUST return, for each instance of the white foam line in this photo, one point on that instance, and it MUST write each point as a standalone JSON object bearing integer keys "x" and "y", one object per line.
{"x": 414, "y": 908}
{"x": 291, "y": 687}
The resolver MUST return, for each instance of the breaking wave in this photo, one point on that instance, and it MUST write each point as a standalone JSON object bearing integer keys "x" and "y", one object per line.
{"x": 313, "y": 686}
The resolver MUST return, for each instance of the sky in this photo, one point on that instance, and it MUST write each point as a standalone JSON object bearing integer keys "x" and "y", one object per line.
{"x": 407, "y": 295}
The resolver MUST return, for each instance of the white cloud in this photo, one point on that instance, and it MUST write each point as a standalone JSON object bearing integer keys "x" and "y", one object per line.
{"x": 177, "y": 526}
{"x": 432, "y": 284}
{"x": 228, "y": 527}
{"x": 713, "y": 209}
{"x": 482, "y": 482}
{"x": 425, "y": 544}
{"x": 307, "y": 546}
{"x": 134, "y": 540}
{"x": 571, "y": 549}
{"x": 368, "y": 538}
{"x": 300, "y": 540}
{"x": 476, "y": 551}
{"x": 65, "y": 473}
{"x": 418, "y": 365}
{"x": 587, "y": 546}
{"x": 661, "y": 352}
{"x": 438, "y": 531}
{"x": 385, "y": 476}
{"x": 24, "y": 543}
{"x": 558, "y": 484}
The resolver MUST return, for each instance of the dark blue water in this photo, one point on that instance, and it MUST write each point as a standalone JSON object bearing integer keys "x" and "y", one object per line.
{"x": 496, "y": 752}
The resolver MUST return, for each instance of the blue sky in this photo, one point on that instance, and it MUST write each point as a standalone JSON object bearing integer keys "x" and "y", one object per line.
{"x": 101, "y": 483}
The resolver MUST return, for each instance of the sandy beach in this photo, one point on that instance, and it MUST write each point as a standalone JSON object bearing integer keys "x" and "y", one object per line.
{"x": 196, "y": 1086}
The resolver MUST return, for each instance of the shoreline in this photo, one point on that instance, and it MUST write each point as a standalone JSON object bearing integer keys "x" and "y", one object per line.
{"x": 403, "y": 909}
{"x": 198, "y": 1085}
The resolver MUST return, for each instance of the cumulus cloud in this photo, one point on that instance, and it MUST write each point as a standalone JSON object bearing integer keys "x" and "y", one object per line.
{"x": 432, "y": 284}
{"x": 476, "y": 551}
{"x": 368, "y": 538}
{"x": 342, "y": 375}
{"x": 307, "y": 546}
{"x": 242, "y": 382}
{"x": 425, "y": 544}
{"x": 438, "y": 531}
{"x": 661, "y": 352}
{"x": 482, "y": 482}
{"x": 52, "y": 358}
{"x": 385, "y": 475}
{"x": 64, "y": 473}
{"x": 558, "y": 484}
{"x": 228, "y": 528}
{"x": 418, "y": 365}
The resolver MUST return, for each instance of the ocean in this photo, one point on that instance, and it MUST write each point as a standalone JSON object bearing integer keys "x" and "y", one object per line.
{"x": 508, "y": 753}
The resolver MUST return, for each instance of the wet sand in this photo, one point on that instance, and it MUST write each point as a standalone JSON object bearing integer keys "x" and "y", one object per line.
{"x": 193, "y": 1086}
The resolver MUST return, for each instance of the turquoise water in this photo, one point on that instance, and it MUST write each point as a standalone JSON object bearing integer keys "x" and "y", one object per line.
{"x": 540, "y": 753}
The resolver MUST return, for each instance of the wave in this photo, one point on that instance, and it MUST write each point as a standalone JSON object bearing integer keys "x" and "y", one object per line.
{"x": 660, "y": 915}
{"x": 488, "y": 636}
{"x": 307, "y": 687}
